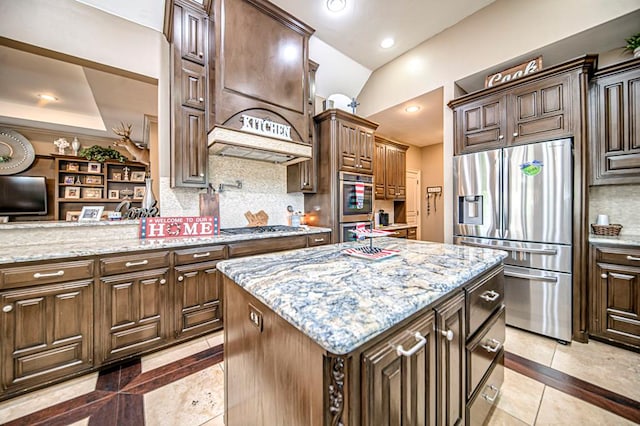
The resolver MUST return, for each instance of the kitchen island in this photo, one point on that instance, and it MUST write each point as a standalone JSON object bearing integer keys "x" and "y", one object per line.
{"x": 318, "y": 337}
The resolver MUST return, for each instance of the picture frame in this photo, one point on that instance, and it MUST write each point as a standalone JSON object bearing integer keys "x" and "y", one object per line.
{"x": 116, "y": 176}
{"x": 94, "y": 167}
{"x": 92, "y": 193}
{"x": 72, "y": 192}
{"x": 91, "y": 214}
{"x": 93, "y": 180}
{"x": 138, "y": 192}
{"x": 73, "y": 216}
{"x": 137, "y": 176}
{"x": 69, "y": 180}
{"x": 73, "y": 167}
{"x": 113, "y": 194}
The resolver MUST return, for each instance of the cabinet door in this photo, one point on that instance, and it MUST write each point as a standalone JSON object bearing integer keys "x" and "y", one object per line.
{"x": 365, "y": 151}
{"x": 402, "y": 387}
{"x": 391, "y": 188}
{"x": 190, "y": 156}
{"x": 450, "y": 321}
{"x": 194, "y": 39}
{"x": 194, "y": 85}
{"x": 197, "y": 306}
{"x": 380, "y": 169}
{"x": 134, "y": 317}
{"x": 617, "y": 303}
{"x": 617, "y": 128}
{"x": 481, "y": 125}
{"x": 401, "y": 175}
{"x": 47, "y": 333}
{"x": 539, "y": 111}
{"x": 348, "y": 139}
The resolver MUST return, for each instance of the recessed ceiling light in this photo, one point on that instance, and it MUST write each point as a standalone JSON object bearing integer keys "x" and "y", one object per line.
{"x": 336, "y": 5}
{"x": 412, "y": 108}
{"x": 387, "y": 43}
{"x": 47, "y": 97}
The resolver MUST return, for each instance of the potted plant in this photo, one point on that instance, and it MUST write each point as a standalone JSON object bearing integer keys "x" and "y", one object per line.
{"x": 101, "y": 154}
{"x": 633, "y": 45}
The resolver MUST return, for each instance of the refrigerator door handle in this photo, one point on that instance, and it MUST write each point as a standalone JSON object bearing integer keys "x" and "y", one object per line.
{"x": 504, "y": 189}
{"x": 548, "y": 252}
{"x": 545, "y": 278}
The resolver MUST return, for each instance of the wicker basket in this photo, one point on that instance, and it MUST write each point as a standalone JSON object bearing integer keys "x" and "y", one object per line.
{"x": 612, "y": 230}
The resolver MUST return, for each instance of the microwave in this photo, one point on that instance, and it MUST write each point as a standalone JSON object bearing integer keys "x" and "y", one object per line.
{"x": 356, "y": 197}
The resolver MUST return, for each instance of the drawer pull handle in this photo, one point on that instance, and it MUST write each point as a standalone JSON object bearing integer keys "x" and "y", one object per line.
{"x": 197, "y": 255}
{"x": 180, "y": 278}
{"x": 491, "y": 349}
{"x": 633, "y": 258}
{"x": 448, "y": 334}
{"x": 421, "y": 342}
{"x": 491, "y": 399}
{"x": 140, "y": 263}
{"x": 490, "y": 296}
{"x": 318, "y": 240}
{"x": 52, "y": 274}
{"x": 7, "y": 308}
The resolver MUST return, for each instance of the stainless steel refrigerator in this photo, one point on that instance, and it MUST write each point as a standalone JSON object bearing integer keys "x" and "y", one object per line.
{"x": 519, "y": 199}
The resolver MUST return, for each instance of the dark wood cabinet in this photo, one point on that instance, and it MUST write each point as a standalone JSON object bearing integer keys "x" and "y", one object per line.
{"x": 47, "y": 333}
{"x": 450, "y": 321}
{"x": 399, "y": 375}
{"x": 391, "y": 169}
{"x": 615, "y": 295}
{"x": 481, "y": 124}
{"x": 355, "y": 147}
{"x": 615, "y": 124}
{"x": 190, "y": 96}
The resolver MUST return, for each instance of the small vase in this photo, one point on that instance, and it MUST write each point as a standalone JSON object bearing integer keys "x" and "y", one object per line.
{"x": 149, "y": 200}
{"x": 75, "y": 144}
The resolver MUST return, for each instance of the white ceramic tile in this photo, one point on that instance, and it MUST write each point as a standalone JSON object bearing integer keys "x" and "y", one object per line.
{"x": 218, "y": 421}
{"x": 167, "y": 356}
{"x": 215, "y": 339}
{"x": 35, "y": 401}
{"x": 502, "y": 418}
{"x": 520, "y": 396}
{"x": 530, "y": 345}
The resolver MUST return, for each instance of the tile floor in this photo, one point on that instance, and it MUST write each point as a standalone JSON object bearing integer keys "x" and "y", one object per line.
{"x": 172, "y": 388}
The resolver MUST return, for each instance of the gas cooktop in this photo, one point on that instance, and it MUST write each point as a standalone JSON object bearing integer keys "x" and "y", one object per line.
{"x": 258, "y": 229}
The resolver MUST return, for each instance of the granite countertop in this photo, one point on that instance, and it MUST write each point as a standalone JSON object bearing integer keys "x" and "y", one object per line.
{"x": 620, "y": 240}
{"x": 36, "y": 252}
{"x": 340, "y": 301}
{"x": 395, "y": 226}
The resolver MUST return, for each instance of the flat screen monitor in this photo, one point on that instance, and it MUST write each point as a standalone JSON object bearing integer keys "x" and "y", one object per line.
{"x": 23, "y": 195}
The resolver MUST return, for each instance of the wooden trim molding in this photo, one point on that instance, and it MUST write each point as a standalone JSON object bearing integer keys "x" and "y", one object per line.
{"x": 335, "y": 389}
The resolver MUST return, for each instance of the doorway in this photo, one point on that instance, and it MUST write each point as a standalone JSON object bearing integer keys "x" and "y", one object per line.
{"x": 413, "y": 200}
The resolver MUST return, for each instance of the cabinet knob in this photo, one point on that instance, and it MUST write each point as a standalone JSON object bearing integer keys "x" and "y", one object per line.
{"x": 201, "y": 99}
{"x": 448, "y": 334}
{"x": 163, "y": 281}
{"x": 180, "y": 278}
{"x": 201, "y": 174}
{"x": 515, "y": 134}
{"x": 604, "y": 276}
{"x": 200, "y": 54}
{"x": 7, "y": 308}
{"x": 305, "y": 183}
{"x": 501, "y": 137}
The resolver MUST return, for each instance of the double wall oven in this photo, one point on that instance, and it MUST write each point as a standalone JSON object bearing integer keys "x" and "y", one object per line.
{"x": 355, "y": 202}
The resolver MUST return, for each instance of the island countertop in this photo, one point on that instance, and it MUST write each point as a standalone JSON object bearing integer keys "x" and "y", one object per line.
{"x": 340, "y": 301}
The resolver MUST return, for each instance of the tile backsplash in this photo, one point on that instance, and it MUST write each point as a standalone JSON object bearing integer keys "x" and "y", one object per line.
{"x": 264, "y": 187}
{"x": 620, "y": 202}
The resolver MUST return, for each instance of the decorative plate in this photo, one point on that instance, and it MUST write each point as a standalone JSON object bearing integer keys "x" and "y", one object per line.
{"x": 18, "y": 149}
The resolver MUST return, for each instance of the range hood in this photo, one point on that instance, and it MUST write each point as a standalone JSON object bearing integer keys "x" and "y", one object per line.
{"x": 243, "y": 144}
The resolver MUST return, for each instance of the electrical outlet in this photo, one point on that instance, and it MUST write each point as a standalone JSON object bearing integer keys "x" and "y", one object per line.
{"x": 255, "y": 316}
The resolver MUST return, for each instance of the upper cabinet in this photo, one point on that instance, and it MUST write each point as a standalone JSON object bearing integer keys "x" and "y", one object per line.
{"x": 390, "y": 170}
{"x": 615, "y": 124}
{"x": 536, "y": 108}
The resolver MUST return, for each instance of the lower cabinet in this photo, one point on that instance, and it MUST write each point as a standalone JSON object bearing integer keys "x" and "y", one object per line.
{"x": 615, "y": 295}
{"x": 399, "y": 375}
{"x": 47, "y": 333}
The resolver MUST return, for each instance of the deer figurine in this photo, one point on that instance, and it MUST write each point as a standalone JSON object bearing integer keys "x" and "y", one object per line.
{"x": 138, "y": 153}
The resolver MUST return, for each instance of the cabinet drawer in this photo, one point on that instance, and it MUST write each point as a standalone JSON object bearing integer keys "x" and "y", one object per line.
{"x": 399, "y": 233}
{"x": 483, "y": 299}
{"x": 268, "y": 245}
{"x": 482, "y": 350}
{"x": 481, "y": 406}
{"x": 132, "y": 263}
{"x": 618, "y": 256}
{"x": 200, "y": 254}
{"x": 412, "y": 233}
{"x": 318, "y": 239}
{"x": 46, "y": 273}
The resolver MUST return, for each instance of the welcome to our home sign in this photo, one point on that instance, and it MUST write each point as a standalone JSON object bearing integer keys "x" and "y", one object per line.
{"x": 514, "y": 73}
{"x": 171, "y": 227}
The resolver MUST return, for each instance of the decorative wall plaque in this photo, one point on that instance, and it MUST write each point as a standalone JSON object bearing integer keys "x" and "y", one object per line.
{"x": 514, "y": 73}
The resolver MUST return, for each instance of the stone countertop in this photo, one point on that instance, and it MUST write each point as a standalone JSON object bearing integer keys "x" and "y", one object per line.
{"x": 49, "y": 250}
{"x": 620, "y": 240}
{"x": 340, "y": 301}
{"x": 395, "y": 226}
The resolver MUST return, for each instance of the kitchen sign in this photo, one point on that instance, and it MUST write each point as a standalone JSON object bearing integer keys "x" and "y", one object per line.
{"x": 514, "y": 73}
{"x": 173, "y": 227}
{"x": 265, "y": 127}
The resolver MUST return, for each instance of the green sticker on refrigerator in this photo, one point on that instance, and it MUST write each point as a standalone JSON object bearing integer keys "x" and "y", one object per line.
{"x": 532, "y": 168}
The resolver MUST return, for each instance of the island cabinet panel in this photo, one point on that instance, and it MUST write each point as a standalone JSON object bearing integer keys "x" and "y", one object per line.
{"x": 450, "y": 320}
{"x": 399, "y": 377}
{"x": 615, "y": 289}
{"x": 615, "y": 129}
{"x": 483, "y": 403}
{"x": 47, "y": 333}
{"x": 268, "y": 245}
{"x": 133, "y": 317}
